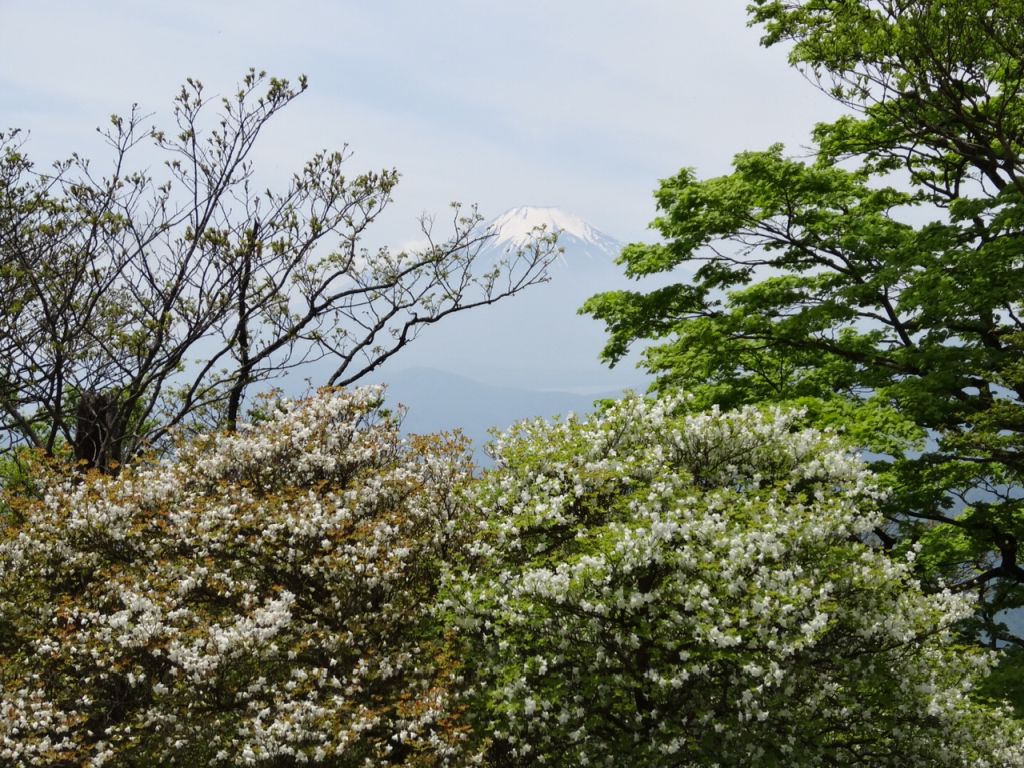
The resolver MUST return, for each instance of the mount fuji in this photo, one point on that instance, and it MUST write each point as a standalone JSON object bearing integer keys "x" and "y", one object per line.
{"x": 515, "y": 227}
{"x": 527, "y": 355}
{"x": 536, "y": 339}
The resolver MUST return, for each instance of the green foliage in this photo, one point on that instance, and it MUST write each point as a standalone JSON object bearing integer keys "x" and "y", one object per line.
{"x": 16, "y": 481}
{"x": 653, "y": 588}
{"x": 880, "y": 284}
{"x": 1007, "y": 680}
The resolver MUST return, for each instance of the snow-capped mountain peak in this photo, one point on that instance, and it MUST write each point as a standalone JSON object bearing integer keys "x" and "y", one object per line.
{"x": 515, "y": 227}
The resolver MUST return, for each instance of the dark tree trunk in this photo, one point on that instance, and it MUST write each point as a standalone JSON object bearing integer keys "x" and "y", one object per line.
{"x": 99, "y": 431}
{"x": 242, "y": 332}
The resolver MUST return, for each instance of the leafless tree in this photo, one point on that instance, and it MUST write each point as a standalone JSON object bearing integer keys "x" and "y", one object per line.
{"x": 134, "y": 302}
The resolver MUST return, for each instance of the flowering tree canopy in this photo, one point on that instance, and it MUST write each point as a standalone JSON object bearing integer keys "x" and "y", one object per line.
{"x": 641, "y": 587}
{"x": 261, "y": 600}
{"x": 698, "y": 591}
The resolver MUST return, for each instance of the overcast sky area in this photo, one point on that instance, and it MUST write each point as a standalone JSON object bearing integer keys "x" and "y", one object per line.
{"x": 582, "y": 104}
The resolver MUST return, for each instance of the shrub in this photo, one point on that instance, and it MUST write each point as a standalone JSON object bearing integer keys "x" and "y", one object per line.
{"x": 663, "y": 590}
{"x": 263, "y": 598}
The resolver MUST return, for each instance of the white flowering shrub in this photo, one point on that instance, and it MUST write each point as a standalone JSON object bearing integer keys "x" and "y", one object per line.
{"x": 262, "y": 599}
{"x": 654, "y": 590}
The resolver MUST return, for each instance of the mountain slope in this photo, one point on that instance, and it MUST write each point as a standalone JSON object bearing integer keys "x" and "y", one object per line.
{"x": 535, "y": 340}
{"x": 515, "y": 227}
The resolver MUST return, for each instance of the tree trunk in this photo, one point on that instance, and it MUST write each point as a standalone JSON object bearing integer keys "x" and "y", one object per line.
{"x": 99, "y": 431}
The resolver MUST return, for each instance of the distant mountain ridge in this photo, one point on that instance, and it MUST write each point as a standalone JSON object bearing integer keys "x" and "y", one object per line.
{"x": 440, "y": 401}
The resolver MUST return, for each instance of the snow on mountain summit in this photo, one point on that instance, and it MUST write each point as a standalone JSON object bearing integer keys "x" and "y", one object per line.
{"x": 514, "y": 228}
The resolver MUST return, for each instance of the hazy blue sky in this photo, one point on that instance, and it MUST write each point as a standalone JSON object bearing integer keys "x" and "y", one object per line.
{"x": 583, "y": 104}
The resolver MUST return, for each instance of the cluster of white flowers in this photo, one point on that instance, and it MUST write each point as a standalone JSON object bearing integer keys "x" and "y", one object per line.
{"x": 697, "y": 590}
{"x": 262, "y": 597}
{"x": 636, "y": 587}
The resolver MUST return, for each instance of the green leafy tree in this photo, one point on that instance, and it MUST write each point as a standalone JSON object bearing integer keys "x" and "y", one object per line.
{"x": 263, "y": 599}
{"x": 879, "y": 283}
{"x": 154, "y": 293}
{"x": 655, "y": 589}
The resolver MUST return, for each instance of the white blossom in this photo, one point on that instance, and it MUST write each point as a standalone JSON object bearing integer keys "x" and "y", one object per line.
{"x": 700, "y": 587}
{"x": 263, "y": 596}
